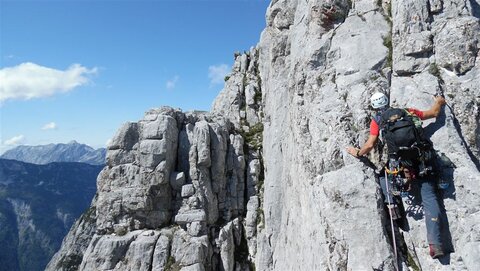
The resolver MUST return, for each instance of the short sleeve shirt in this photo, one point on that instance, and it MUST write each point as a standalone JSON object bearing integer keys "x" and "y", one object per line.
{"x": 375, "y": 129}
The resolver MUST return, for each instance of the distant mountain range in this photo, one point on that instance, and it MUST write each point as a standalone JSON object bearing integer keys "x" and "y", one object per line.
{"x": 38, "y": 205}
{"x": 44, "y": 154}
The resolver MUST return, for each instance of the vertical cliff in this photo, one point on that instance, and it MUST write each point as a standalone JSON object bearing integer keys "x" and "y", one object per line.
{"x": 320, "y": 62}
{"x": 263, "y": 182}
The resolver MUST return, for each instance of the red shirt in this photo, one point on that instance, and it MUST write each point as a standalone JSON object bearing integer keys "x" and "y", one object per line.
{"x": 375, "y": 130}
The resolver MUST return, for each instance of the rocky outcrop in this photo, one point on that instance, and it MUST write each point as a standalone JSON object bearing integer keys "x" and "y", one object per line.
{"x": 177, "y": 188}
{"x": 263, "y": 182}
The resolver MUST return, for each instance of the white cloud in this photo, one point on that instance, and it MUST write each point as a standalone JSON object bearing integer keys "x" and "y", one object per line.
{"x": 29, "y": 80}
{"x": 217, "y": 73}
{"x": 171, "y": 84}
{"x": 49, "y": 126}
{"x": 16, "y": 140}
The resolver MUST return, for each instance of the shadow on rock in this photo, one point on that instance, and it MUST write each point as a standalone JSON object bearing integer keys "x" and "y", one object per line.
{"x": 445, "y": 234}
{"x": 445, "y": 260}
{"x": 475, "y": 8}
{"x": 433, "y": 127}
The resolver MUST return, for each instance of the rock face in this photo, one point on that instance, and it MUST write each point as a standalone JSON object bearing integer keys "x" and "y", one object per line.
{"x": 176, "y": 189}
{"x": 263, "y": 181}
{"x": 322, "y": 207}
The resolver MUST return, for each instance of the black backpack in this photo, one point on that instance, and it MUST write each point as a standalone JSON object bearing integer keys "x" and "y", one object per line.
{"x": 402, "y": 132}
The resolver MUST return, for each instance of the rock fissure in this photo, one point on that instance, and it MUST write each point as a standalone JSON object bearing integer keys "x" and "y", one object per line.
{"x": 152, "y": 254}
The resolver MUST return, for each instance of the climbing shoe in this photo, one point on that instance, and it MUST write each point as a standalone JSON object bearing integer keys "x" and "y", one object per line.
{"x": 436, "y": 251}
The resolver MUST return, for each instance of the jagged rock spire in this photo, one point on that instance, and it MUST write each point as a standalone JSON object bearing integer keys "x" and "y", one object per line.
{"x": 179, "y": 187}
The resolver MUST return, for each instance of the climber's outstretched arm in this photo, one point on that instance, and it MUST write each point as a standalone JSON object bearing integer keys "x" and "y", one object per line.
{"x": 366, "y": 148}
{"x": 434, "y": 111}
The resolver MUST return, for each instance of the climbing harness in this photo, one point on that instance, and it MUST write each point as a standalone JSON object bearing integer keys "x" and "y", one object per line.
{"x": 399, "y": 186}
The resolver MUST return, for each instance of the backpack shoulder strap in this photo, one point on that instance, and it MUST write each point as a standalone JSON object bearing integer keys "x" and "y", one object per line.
{"x": 419, "y": 133}
{"x": 378, "y": 119}
{"x": 416, "y": 119}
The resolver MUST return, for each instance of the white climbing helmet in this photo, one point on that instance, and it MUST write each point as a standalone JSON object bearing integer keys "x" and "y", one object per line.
{"x": 378, "y": 100}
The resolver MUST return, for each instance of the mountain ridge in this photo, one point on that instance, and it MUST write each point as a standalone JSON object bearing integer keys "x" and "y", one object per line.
{"x": 61, "y": 152}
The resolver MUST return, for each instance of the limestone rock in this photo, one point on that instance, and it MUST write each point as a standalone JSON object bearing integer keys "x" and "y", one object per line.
{"x": 134, "y": 190}
{"x": 202, "y": 135}
{"x": 191, "y": 216}
{"x": 227, "y": 247}
{"x": 142, "y": 247}
{"x": 457, "y": 44}
{"x": 190, "y": 250}
{"x": 175, "y": 168}
{"x": 240, "y": 100}
{"x": 251, "y": 218}
{"x": 162, "y": 251}
{"x": 188, "y": 190}
{"x": 253, "y": 177}
{"x": 193, "y": 267}
{"x": 177, "y": 180}
{"x": 316, "y": 82}
{"x": 412, "y": 40}
{"x": 125, "y": 138}
{"x": 119, "y": 157}
{"x": 264, "y": 181}
{"x": 250, "y": 94}
{"x": 196, "y": 228}
{"x": 106, "y": 251}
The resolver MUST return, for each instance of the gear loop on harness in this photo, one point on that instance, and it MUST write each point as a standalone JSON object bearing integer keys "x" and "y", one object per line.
{"x": 395, "y": 171}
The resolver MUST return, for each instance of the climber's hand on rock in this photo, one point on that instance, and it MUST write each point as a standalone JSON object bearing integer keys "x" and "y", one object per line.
{"x": 352, "y": 151}
{"x": 440, "y": 100}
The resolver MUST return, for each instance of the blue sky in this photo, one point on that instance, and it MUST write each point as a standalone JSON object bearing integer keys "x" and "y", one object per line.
{"x": 76, "y": 70}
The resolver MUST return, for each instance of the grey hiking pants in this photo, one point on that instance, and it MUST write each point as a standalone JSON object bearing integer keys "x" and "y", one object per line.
{"x": 424, "y": 193}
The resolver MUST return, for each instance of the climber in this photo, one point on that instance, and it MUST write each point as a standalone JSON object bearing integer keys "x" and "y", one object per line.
{"x": 415, "y": 169}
